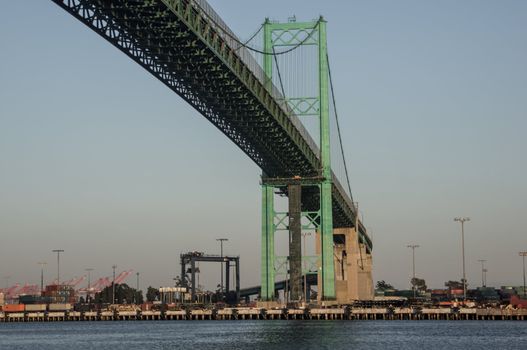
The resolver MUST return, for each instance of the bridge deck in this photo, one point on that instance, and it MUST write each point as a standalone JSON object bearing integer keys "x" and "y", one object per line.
{"x": 186, "y": 46}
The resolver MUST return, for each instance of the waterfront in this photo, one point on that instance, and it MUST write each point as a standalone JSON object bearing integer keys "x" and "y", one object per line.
{"x": 265, "y": 335}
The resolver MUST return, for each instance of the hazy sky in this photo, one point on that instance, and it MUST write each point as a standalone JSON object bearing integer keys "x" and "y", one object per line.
{"x": 99, "y": 158}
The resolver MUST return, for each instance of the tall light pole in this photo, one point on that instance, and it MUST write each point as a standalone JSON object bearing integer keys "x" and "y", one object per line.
{"x": 113, "y": 284}
{"x": 42, "y": 264}
{"x": 413, "y": 246}
{"x": 89, "y": 270}
{"x": 58, "y": 251}
{"x": 304, "y": 235}
{"x": 483, "y": 261}
{"x": 221, "y": 240}
{"x": 523, "y": 255}
{"x": 136, "y": 286}
{"x": 462, "y": 221}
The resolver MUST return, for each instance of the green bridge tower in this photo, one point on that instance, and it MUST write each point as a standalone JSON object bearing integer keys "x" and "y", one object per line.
{"x": 294, "y": 34}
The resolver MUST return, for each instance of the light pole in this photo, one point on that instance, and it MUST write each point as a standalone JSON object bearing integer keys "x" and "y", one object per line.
{"x": 304, "y": 235}
{"x": 483, "y": 261}
{"x": 462, "y": 221}
{"x": 58, "y": 251}
{"x": 413, "y": 246}
{"x": 523, "y": 255}
{"x": 42, "y": 264}
{"x": 89, "y": 270}
{"x": 221, "y": 240}
{"x": 113, "y": 284}
{"x": 136, "y": 286}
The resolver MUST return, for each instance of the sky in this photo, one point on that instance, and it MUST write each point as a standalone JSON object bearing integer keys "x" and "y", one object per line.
{"x": 100, "y": 159}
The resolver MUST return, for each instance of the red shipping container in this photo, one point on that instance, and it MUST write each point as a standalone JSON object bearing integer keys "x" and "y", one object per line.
{"x": 518, "y": 302}
{"x": 13, "y": 308}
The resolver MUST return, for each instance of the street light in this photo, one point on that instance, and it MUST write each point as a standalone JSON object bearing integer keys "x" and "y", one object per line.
{"x": 483, "y": 270}
{"x": 523, "y": 255}
{"x": 304, "y": 235}
{"x": 113, "y": 284}
{"x": 462, "y": 221}
{"x": 58, "y": 251}
{"x": 89, "y": 270}
{"x": 221, "y": 240}
{"x": 42, "y": 264}
{"x": 413, "y": 246}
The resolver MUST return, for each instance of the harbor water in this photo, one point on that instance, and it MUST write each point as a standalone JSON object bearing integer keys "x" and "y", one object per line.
{"x": 265, "y": 335}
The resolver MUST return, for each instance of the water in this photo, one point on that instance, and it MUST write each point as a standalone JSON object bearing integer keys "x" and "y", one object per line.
{"x": 266, "y": 335}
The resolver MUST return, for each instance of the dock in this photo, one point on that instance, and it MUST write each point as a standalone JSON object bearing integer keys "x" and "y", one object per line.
{"x": 254, "y": 313}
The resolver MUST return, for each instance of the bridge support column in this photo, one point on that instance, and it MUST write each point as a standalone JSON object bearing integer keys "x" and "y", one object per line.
{"x": 267, "y": 265}
{"x": 326, "y": 201}
{"x": 295, "y": 244}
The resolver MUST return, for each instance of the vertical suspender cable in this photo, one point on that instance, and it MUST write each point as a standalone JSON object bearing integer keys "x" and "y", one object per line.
{"x": 338, "y": 130}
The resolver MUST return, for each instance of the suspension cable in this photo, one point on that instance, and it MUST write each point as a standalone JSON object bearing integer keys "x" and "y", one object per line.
{"x": 250, "y": 39}
{"x": 338, "y": 129}
{"x": 279, "y": 75}
{"x": 233, "y": 37}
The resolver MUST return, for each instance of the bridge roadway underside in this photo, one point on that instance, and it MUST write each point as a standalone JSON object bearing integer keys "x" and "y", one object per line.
{"x": 183, "y": 48}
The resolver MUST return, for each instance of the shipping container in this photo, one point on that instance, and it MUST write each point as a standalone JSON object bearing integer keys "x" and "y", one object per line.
{"x": 146, "y": 307}
{"x": 83, "y": 307}
{"x": 35, "y": 307}
{"x": 13, "y": 308}
{"x": 33, "y": 299}
{"x": 59, "y": 307}
{"x": 519, "y": 302}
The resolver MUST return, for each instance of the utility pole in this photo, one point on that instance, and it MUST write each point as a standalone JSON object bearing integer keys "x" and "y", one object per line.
{"x": 483, "y": 261}
{"x": 304, "y": 234}
{"x": 113, "y": 284}
{"x": 42, "y": 264}
{"x": 523, "y": 255}
{"x": 89, "y": 270}
{"x": 58, "y": 251}
{"x": 136, "y": 286}
{"x": 413, "y": 246}
{"x": 221, "y": 240}
{"x": 462, "y": 221}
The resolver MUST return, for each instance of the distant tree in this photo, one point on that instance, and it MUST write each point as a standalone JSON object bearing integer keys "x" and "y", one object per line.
{"x": 152, "y": 294}
{"x": 124, "y": 294}
{"x": 382, "y": 285}
{"x": 454, "y": 284}
{"x": 419, "y": 284}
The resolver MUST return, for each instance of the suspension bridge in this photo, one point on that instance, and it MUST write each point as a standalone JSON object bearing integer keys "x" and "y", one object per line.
{"x": 272, "y": 95}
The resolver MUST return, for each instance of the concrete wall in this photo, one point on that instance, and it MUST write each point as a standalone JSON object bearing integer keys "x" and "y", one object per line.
{"x": 353, "y": 268}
